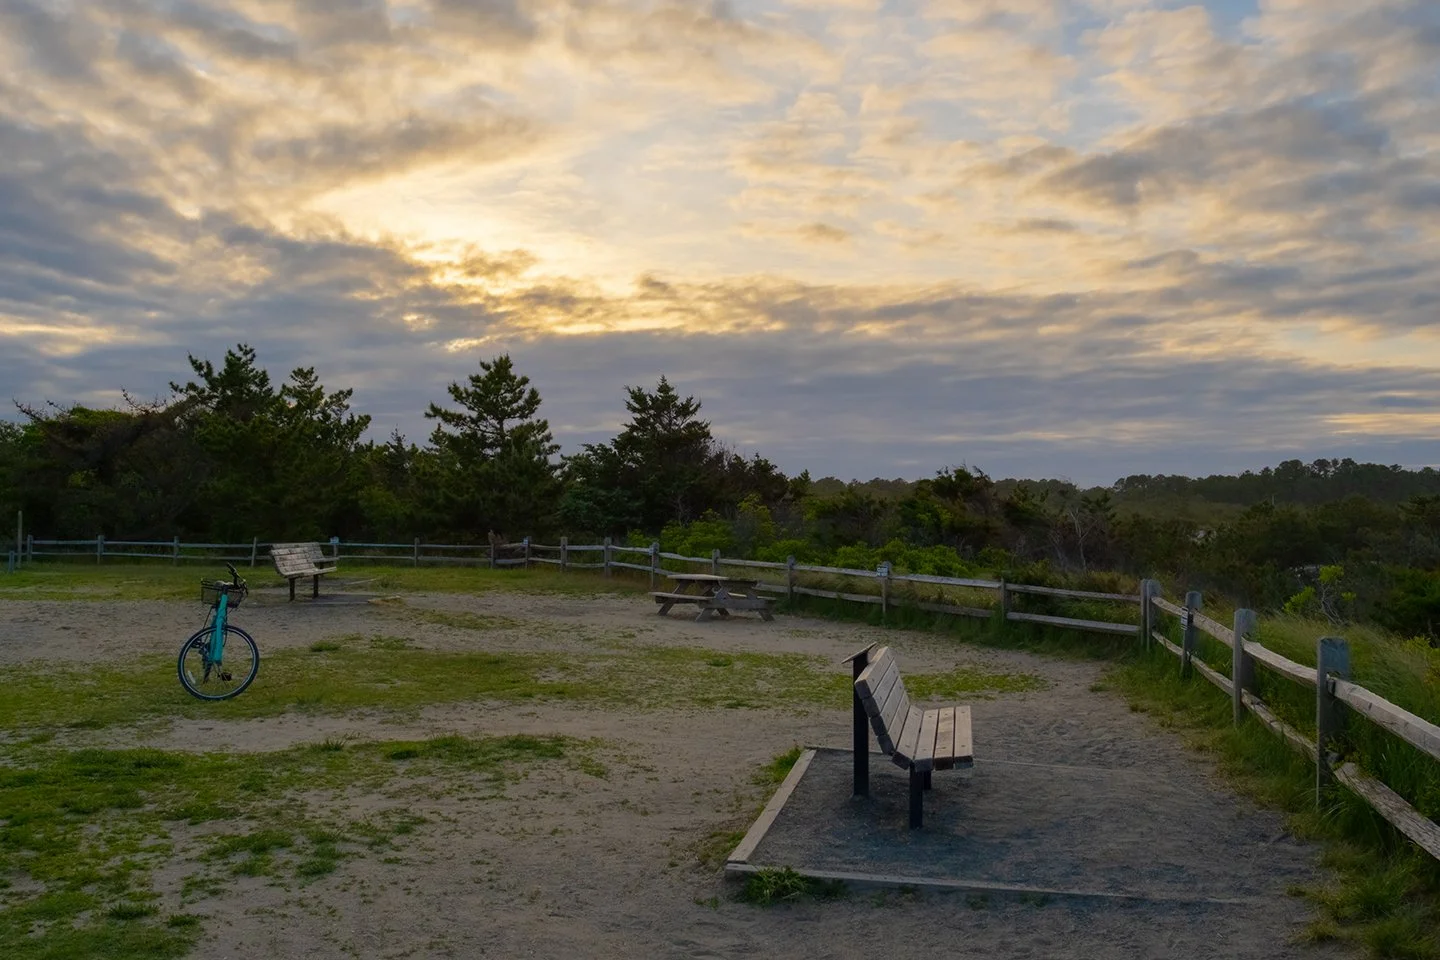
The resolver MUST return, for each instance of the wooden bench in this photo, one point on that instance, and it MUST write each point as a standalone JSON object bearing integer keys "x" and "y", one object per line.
{"x": 296, "y": 560}
{"x": 921, "y": 740}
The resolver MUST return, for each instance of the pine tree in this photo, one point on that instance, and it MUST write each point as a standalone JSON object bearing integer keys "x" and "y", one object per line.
{"x": 495, "y": 471}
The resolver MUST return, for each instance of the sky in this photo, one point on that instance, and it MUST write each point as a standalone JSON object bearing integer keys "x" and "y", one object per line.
{"x": 1058, "y": 238}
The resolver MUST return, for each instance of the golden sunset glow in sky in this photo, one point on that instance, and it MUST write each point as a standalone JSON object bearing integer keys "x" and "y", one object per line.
{"x": 1045, "y": 237}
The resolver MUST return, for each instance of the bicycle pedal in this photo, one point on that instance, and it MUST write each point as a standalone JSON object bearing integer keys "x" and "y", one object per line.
{"x": 226, "y": 676}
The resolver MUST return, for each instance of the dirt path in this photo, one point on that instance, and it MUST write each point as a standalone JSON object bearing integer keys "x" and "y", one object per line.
{"x": 567, "y": 864}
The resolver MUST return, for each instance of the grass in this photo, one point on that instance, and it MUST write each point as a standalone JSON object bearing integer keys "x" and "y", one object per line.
{"x": 348, "y": 673}
{"x": 775, "y": 885}
{"x": 110, "y": 581}
{"x": 84, "y": 829}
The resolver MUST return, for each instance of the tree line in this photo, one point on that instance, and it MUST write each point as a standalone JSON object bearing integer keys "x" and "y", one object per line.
{"x": 231, "y": 454}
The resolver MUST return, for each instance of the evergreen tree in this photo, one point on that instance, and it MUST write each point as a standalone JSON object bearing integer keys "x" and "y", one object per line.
{"x": 281, "y": 461}
{"x": 494, "y": 467}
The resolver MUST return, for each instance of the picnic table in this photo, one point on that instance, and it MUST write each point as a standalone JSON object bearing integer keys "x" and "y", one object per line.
{"x": 713, "y": 595}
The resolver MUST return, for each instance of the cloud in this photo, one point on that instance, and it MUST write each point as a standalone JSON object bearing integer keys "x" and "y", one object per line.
{"x": 823, "y": 233}
{"x": 1045, "y": 237}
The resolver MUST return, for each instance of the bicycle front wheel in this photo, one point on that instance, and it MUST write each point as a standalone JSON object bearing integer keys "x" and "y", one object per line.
{"x": 209, "y": 680}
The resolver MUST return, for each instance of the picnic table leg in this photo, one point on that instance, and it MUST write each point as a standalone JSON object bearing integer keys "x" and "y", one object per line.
{"x": 292, "y": 588}
{"x": 315, "y": 588}
{"x": 917, "y": 798}
{"x": 927, "y": 779}
{"x": 861, "y": 740}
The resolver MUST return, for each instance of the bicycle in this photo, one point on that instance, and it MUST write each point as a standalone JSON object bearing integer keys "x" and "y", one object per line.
{"x": 205, "y": 670}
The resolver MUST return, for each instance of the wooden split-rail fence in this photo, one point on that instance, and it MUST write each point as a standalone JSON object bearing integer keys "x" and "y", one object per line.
{"x": 1335, "y": 693}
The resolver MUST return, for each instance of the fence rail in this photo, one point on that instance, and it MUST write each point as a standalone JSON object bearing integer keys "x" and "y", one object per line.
{"x": 1329, "y": 678}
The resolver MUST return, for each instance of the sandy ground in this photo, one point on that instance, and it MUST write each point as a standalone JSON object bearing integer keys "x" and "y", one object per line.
{"x": 566, "y": 865}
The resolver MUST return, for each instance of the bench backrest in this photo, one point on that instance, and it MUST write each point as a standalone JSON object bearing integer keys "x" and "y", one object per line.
{"x": 882, "y": 693}
{"x": 297, "y": 558}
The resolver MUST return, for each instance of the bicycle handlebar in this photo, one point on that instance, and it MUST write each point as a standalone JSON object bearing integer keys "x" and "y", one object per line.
{"x": 235, "y": 576}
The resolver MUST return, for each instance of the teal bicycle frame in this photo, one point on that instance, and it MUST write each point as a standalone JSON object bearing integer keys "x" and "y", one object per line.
{"x": 217, "y": 634}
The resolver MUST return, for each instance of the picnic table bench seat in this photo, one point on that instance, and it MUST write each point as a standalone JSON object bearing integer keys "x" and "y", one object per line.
{"x": 919, "y": 739}
{"x": 295, "y": 560}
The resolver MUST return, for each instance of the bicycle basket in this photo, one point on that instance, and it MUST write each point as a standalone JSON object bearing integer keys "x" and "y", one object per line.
{"x": 212, "y": 590}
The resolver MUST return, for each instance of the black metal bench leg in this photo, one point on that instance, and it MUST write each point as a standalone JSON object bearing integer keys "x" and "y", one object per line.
{"x": 927, "y": 779}
{"x": 917, "y": 798}
{"x": 292, "y": 588}
{"x": 315, "y": 590}
{"x": 861, "y": 740}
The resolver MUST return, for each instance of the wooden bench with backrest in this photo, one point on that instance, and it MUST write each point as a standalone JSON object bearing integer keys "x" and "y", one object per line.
{"x": 296, "y": 560}
{"x": 919, "y": 739}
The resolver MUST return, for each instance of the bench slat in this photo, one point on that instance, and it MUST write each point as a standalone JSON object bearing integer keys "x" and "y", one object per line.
{"x": 945, "y": 739}
{"x": 905, "y": 747}
{"x": 679, "y": 597}
{"x": 875, "y": 698}
{"x": 875, "y": 667}
{"x": 963, "y": 751}
{"x": 923, "y": 758}
{"x": 871, "y": 684}
{"x": 892, "y": 719}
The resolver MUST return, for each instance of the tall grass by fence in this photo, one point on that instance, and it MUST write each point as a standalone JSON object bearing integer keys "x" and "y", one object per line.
{"x": 1242, "y": 682}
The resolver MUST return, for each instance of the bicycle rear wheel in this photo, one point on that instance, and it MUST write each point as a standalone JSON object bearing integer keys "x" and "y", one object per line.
{"x": 218, "y": 681}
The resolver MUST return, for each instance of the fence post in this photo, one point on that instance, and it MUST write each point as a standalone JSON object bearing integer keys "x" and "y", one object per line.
{"x": 1149, "y": 589}
{"x": 715, "y": 561}
{"x": 884, "y": 570}
{"x": 175, "y": 551}
{"x": 1332, "y": 657}
{"x": 526, "y": 541}
{"x": 564, "y": 553}
{"x": 10, "y": 561}
{"x": 20, "y": 529}
{"x": 1192, "y": 603}
{"x": 254, "y": 549}
{"x": 415, "y": 553}
{"x": 654, "y": 562}
{"x": 1242, "y": 666}
{"x": 29, "y": 548}
{"x": 492, "y": 551}
{"x": 99, "y": 546}
{"x": 607, "y": 556}
{"x": 1004, "y": 600}
{"x": 790, "y": 579}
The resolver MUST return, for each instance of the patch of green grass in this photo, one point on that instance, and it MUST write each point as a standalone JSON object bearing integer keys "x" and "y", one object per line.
{"x": 131, "y": 911}
{"x": 968, "y": 682}
{"x": 324, "y": 646}
{"x": 83, "y": 829}
{"x": 256, "y": 843}
{"x": 775, "y": 885}
{"x": 348, "y": 676}
{"x": 391, "y": 643}
{"x": 775, "y": 772}
{"x": 84, "y": 579}
{"x": 988, "y": 631}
